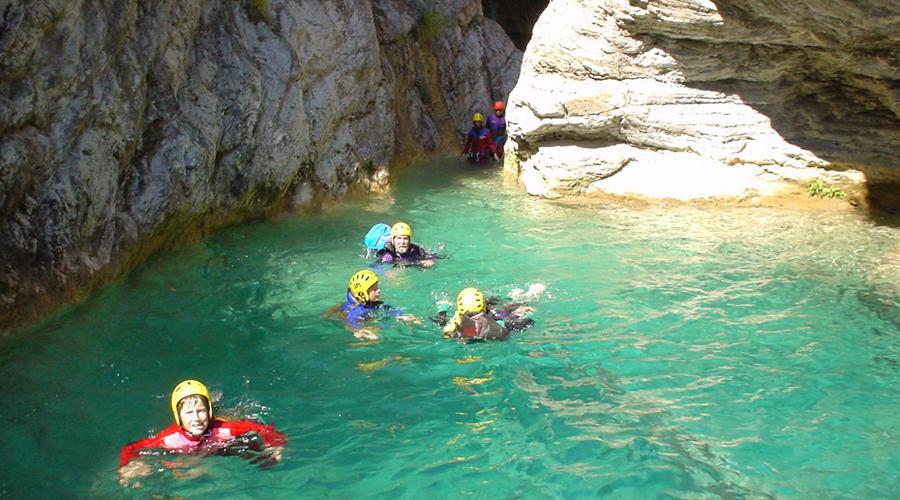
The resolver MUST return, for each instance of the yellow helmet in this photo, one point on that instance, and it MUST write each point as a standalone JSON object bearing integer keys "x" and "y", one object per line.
{"x": 189, "y": 388}
{"x": 470, "y": 301}
{"x": 478, "y": 117}
{"x": 360, "y": 283}
{"x": 401, "y": 229}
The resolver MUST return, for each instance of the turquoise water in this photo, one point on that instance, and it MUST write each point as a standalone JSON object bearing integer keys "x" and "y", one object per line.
{"x": 677, "y": 351}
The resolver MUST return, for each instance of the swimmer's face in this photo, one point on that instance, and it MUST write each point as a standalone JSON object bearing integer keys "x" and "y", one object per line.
{"x": 194, "y": 416}
{"x": 374, "y": 293}
{"x": 401, "y": 244}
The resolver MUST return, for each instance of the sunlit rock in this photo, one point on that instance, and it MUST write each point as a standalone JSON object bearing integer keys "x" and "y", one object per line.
{"x": 705, "y": 99}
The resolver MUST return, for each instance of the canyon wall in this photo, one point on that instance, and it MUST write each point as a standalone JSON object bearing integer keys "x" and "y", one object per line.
{"x": 128, "y": 126}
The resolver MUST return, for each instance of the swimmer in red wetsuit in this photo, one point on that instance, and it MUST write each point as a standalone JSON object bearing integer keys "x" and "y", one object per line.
{"x": 196, "y": 431}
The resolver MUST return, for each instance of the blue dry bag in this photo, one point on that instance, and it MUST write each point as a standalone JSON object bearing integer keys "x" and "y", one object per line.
{"x": 378, "y": 236}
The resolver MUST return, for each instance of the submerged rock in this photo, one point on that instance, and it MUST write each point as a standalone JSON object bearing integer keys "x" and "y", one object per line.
{"x": 700, "y": 99}
{"x": 130, "y": 126}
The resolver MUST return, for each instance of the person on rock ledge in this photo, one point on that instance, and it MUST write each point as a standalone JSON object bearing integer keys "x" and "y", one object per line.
{"x": 497, "y": 123}
{"x": 480, "y": 146}
{"x": 196, "y": 431}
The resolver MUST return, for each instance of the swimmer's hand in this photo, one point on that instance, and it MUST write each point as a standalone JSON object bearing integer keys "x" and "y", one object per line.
{"x": 191, "y": 473}
{"x": 276, "y": 453}
{"x": 269, "y": 457}
{"x": 365, "y": 334}
{"x": 134, "y": 470}
{"x": 426, "y": 263}
{"x": 522, "y": 311}
{"x": 409, "y": 318}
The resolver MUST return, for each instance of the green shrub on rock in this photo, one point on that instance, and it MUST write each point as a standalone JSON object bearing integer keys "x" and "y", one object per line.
{"x": 818, "y": 187}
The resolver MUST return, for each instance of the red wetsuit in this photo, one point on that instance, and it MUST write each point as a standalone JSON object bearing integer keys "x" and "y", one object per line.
{"x": 220, "y": 434}
{"x": 479, "y": 143}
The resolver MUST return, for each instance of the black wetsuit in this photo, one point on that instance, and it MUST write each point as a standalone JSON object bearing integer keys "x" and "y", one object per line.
{"x": 499, "y": 322}
{"x": 414, "y": 255}
{"x": 505, "y": 314}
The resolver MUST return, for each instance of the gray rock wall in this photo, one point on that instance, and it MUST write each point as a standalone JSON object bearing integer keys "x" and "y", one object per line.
{"x": 129, "y": 126}
{"x": 708, "y": 98}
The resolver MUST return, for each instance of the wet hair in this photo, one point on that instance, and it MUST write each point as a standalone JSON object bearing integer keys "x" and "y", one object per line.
{"x": 192, "y": 397}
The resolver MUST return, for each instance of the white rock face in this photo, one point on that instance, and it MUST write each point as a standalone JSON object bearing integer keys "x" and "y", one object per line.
{"x": 698, "y": 99}
{"x": 127, "y": 126}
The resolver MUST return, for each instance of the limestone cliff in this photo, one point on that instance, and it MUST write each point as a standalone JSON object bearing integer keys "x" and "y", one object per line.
{"x": 128, "y": 126}
{"x": 708, "y": 98}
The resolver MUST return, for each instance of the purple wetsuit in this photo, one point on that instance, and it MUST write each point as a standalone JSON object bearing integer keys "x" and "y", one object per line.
{"x": 497, "y": 124}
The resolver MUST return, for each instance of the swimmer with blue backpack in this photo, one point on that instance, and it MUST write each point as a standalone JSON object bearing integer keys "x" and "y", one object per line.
{"x": 394, "y": 246}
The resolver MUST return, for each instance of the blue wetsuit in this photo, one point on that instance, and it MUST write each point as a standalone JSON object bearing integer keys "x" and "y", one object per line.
{"x": 354, "y": 313}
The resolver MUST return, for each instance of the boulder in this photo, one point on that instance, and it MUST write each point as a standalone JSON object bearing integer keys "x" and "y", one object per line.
{"x": 706, "y": 99}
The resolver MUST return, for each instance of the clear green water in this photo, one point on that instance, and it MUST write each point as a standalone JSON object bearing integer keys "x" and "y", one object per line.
{"x": 678, "y": 352}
